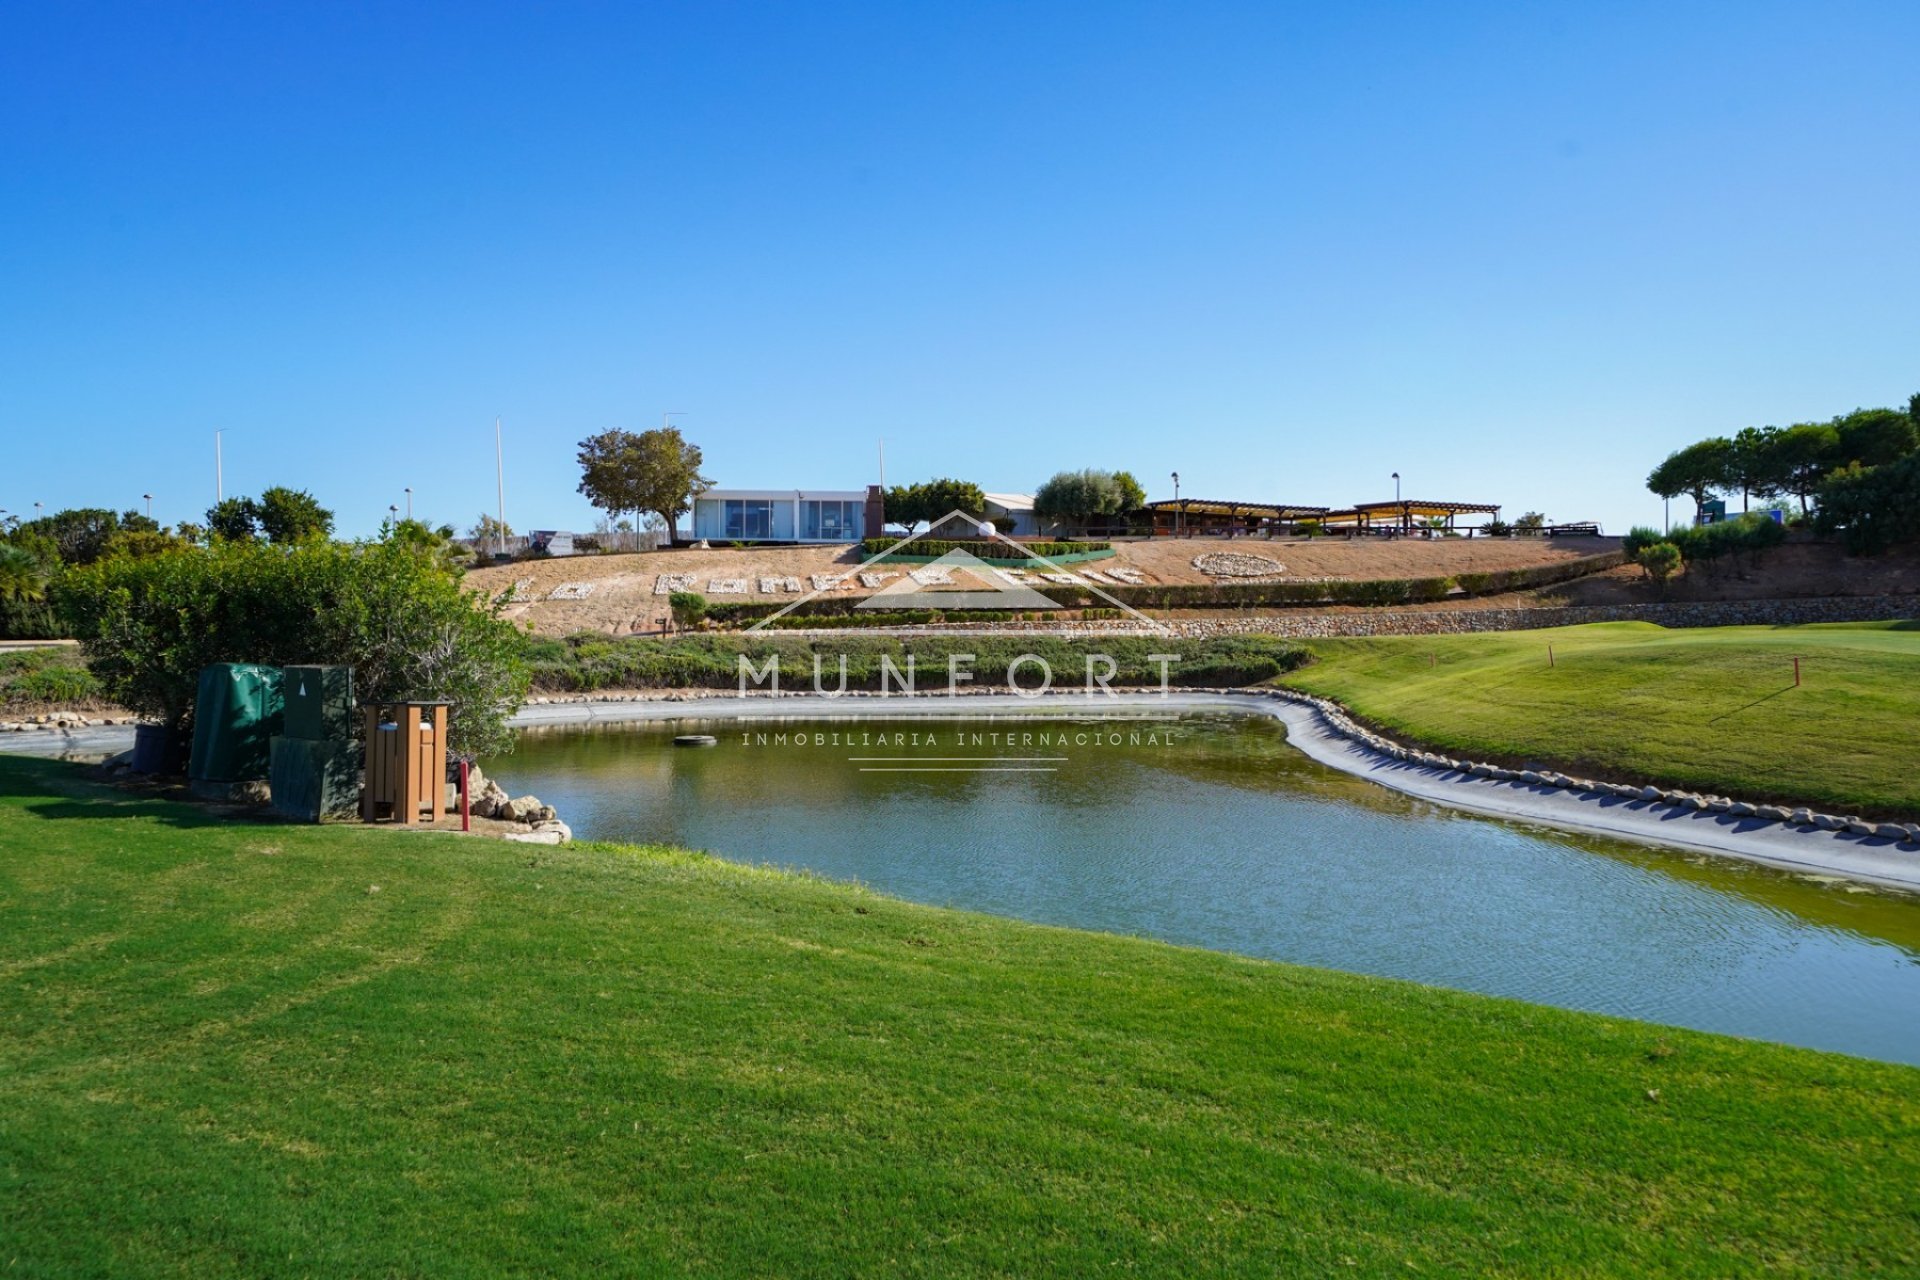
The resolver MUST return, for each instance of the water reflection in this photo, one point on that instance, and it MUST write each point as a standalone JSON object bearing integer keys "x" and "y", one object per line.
{"x": 1210, "y": 830}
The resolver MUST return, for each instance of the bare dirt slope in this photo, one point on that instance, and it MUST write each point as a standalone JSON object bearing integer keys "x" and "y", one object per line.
{"x": 620, "y": 594}
{"x": 1798, "y": 570}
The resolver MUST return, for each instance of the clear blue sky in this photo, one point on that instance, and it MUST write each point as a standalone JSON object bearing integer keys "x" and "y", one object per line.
{"x": 1515, "y": 253}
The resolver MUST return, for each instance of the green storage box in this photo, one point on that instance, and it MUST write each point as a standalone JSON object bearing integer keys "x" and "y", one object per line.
{"x": 316, "y": 781}
{"x": 319, "y": 703}
{"x": 235, "y": 718}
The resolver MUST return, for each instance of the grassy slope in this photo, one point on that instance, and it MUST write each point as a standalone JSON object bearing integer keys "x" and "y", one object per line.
{"x": 1705, "y": 707}
{"x": 221, "y": 1052}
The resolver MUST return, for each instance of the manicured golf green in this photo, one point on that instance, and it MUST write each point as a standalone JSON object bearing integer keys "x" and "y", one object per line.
{"x": 273, "y": 1050}
{"x": 1714, "y": 708}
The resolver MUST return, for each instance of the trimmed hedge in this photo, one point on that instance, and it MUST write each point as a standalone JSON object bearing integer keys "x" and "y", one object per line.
{"x": 1239, "y": 595}
{"x": 983, "y": 548}
{"x": 586, "y": 662}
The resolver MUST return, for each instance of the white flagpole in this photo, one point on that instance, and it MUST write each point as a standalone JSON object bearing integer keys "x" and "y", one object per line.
{"x": 500, "y": 478}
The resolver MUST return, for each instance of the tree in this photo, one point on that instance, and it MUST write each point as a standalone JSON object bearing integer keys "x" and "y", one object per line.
{"x": 1695, "y": 471}
{"x": 944, "y": 497}
{"x": 437, "y": 545}
{"x": 79, "y": 534}
{"x": 1132, "y": 496}
{"x": 401, "y": 621}
{"x": 22, "y": 577}
{"x": 1079, "y": 496}
{"x": 1875, "y": 507}
{"x": 1803, "y": 454}
{"x": 1661, "y": 560}
{"x": 290, "y": 516}
{"x": 1531, "y": 522}
{"x": 1752, "y": 465}
{"x": 489, "y": 531}
{"x": 655, "y": 471}
{"x": 234, "y": 520}
{"x": 1875, "y": 437}
{"x": 906, "y": 506}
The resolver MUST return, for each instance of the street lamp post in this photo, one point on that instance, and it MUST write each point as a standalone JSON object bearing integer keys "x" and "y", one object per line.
{"x": 149, "y": 498}
{"x": 409, "y": 502}
{"x": 1176, "y": 505}
{"x": 393, "y": 514}
{"x": 1404, "y": 522}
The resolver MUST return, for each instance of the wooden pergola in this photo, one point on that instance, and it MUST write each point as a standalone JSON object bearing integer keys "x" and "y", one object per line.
{"x": 1401, "y": 514}
{"x": 1217, "y": 516}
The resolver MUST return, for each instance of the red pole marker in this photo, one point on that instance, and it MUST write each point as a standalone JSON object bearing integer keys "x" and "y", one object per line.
{"x": 466, "y": 813}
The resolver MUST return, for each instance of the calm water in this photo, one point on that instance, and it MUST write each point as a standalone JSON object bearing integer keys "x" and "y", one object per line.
{"x": 1210, "y": 830}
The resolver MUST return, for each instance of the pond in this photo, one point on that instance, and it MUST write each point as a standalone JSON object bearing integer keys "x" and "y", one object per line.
{"x": 1208, "y": 829}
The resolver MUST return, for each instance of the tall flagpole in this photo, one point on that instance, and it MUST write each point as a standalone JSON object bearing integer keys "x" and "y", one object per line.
{"x": 500, "y": 478}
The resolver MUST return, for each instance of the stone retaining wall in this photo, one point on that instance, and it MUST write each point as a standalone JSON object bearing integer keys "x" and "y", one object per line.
{"x": 1412, "y": 622}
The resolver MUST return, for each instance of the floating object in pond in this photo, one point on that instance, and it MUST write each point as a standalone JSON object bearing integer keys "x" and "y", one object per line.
{"x": 695, "y": 740}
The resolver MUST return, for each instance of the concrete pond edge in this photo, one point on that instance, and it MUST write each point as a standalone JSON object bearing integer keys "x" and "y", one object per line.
{"x": 1799, "y": 839}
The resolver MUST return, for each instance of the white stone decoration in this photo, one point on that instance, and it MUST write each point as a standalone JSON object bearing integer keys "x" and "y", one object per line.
{"x": 872, "y": 580}
{"x": 1131, "y": 577}
{"x": 1065, "y": 579}
{"x": 727, "y": 587}
{"x": 1237, "y": 564}
{"x": 933, "y": 575}
{"x": 522, "y": 591}
{"x": 829, "y": 581}
{"x": 668, "y": 583}
{"x": 774, "y": 586}
{"x": 571, "y": 591}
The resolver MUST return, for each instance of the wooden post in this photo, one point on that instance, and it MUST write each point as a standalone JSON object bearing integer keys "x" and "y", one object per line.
{"x": 1549, "y": 655}
{"x": 1796, "y": 673}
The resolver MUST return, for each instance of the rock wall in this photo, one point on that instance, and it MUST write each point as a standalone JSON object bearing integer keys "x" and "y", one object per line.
{"x": 1412, "y": 622}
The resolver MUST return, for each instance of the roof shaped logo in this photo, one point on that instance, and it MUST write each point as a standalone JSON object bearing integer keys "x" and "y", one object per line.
{"x": 1001, "y": 575}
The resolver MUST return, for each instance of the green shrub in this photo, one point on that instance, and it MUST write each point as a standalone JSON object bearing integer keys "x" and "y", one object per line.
{"x": 712, "y": 661}
{"x": 1661, "y": 560}
{"x": 395, "y": 614}
{"x": 982, "y": 548}
{"x": 1873, "y": 508}
{"x": 687, "y": 607}
{"x": 63, "y": 685}
{"x": 1639, "y": 537}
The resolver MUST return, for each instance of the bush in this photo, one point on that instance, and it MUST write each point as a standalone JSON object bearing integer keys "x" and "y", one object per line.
{"x": 396, "y": 615}
{"x": 1873, "y": 507}
{"x": 1497, "y": 528}
{"x": 1661, "y": 560}
{"x": 1638, "y": 538}
{"x": 1749, "y": 534}
{"x": 687, "y": 607}
{"x": 983, "y": 548}
{"x": 585, "y": 663}
{"x": 65, "y": 685}
{"x": 60, "y": 675}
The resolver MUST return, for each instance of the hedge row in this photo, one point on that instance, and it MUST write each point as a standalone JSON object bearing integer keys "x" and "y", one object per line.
{"x": 587, "y": 662}
{"x": 983, "y": 548}
{"x": 1382, "y": 591}
{"x": 1233, "y": 595}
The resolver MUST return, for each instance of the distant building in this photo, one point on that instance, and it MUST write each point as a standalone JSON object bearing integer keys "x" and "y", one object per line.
{"x": 1017, "y": 507}
{"x": 787, "y": 515}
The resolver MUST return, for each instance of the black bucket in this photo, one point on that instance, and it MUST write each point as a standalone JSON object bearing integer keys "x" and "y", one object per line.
{"x": 156, "y": 749}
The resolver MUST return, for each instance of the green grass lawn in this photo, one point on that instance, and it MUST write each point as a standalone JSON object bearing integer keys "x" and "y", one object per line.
{"x": 276, "y": 1050}
{"x": 1709, "y": 707}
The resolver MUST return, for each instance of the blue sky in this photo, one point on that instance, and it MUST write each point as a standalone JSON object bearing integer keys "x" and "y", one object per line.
{"x": 1515, "y": 253}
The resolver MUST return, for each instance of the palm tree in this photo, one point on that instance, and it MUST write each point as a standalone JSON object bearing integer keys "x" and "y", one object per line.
{"x": 21, "y": 577}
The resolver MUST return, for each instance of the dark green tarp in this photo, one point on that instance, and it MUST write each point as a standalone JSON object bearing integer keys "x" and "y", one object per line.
{"x": 235, "y": 718}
